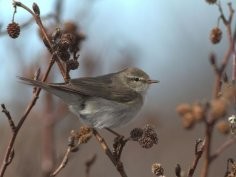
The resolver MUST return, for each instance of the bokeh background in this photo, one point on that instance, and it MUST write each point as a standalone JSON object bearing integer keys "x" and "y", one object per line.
{"x": 167, "y": 39}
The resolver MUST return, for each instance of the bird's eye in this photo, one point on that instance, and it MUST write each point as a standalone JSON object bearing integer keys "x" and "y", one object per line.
{"x": 136, "y": 79}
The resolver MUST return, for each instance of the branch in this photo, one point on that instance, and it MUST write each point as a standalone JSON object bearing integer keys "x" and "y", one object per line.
{"x": 31, "y": 104}
{"x": 198, "y": 154}
{"x": 118, "y": 164}
{"x": 45, "y": 38}
{"x": 222, "y": 148}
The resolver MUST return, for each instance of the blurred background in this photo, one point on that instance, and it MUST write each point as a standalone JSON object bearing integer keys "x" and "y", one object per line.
{"x": 167, "y": 39}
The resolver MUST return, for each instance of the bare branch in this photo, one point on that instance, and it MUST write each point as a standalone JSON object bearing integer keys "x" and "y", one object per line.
{"x": 198, "y": 154}
{"x": 8, "y": 115}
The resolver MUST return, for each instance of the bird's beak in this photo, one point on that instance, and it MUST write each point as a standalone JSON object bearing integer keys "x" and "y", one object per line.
{"x": 152, "y": 81}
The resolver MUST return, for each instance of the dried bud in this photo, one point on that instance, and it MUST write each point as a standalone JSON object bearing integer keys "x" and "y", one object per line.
{"x": 157, "y": 169}
{"x": 145, "y": 142}
{"x": 188, "y": 120}
{"x": 178, "y": 170}
{"x": 72, "y": 64}
{"x": 223, "y": 127}
{"x": 212, "y": 58}
{"x": 198, "y": 112}
{"x": 183, "y": 109}
{"x": 211, "y": 1}
{"x": 215, "y": 35}
{"x": 36, "y": 9}
{"x": 13, "y": 30}
{"x": 218, "y": 108}
{"x": 136, "y": 133}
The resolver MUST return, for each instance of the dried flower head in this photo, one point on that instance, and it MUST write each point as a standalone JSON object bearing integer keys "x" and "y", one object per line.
{"x": 188, "y": 120}
{"x": 146, "y": 142}
{"x": 215, "y": 35}
{"x": 64, "y": 55}
{"x": 150, "y": 132}
{"x": 223, "y": 127}
{"x": 85, "y": 133}
{"x": 211, "y": 1}
{"x": 13, "y": 30}
{"x": 198, "y": 112}
{"x": 157, "y": 169}
{"x": 136, "y": 133}
{"x": 218, "y": 108}
{"x": 183, "y": 109}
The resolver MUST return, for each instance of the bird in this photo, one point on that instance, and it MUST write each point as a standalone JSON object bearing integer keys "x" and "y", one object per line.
{"x": 106, "y": 101}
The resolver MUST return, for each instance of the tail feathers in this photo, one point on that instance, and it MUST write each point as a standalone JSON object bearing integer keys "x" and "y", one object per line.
{"x": 34, "y": 83}
{"x": 65, "y": 96}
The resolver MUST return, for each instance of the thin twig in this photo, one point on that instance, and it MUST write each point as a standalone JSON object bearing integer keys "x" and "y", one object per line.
{"x": 223, "y": 147}
{"x": 198, "y": 154}
{"x": 8, "y": 115}
{"x": 118, "y": 164}
{"x": 63, "y": 162}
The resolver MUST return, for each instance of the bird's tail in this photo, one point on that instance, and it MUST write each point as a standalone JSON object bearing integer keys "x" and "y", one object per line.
{"x": 67, "y": 97}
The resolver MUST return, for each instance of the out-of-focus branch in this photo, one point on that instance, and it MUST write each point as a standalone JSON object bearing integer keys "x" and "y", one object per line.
{"x": 209, "y": 124}
{"x": 222, "y": 148}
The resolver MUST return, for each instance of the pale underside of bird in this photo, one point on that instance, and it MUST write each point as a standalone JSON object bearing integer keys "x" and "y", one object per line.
{"x": 106, "y": 101}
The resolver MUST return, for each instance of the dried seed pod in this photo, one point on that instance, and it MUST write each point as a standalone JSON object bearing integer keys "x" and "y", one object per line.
{"x": 64, "y": 55}
{"x": 188, "y": 120}
{"x": 223, "y": 127}
{"x": 13, "y": 30}
{"x": 157, "y": 169}
{"x": 211, "y": 1}
{"x": 215, "y": 35}
{"x": 145, "y": 142}
{"x": 136, "y": 133}
{"x": 218, "y": 108}
{"x": 70, "y": 27}
{"x": 72, "y": 64}
{"x": 150, "y": 132}
{"x": 198, "y": 112}
{"x": 183, "y": 109}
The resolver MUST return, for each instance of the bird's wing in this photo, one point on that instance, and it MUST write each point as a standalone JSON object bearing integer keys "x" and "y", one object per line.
{"x": 101, "y": 86}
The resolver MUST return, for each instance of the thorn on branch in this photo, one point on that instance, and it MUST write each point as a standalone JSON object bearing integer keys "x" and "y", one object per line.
{"x": 8, "y": 115}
